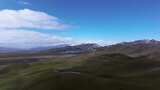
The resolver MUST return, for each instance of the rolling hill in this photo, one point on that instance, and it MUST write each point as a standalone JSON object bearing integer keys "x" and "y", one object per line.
{"x": 101, "y": 72}
{"x": 124, "y": 66}
{"x": 148, "y": 48}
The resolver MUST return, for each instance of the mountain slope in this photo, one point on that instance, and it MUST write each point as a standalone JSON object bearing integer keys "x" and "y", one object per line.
{"x": 9, "y": 50}
{"x": 77, "y": 49}
{"x": 149, "y": 48}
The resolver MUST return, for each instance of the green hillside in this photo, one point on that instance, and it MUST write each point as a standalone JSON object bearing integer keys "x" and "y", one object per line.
{"x": 84, "y": 72}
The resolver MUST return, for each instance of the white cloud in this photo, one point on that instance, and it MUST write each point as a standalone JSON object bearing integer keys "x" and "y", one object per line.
{"x": 29, "y": 39}
{"x": 29, "y": 19}
{"x": 16, "y": 29}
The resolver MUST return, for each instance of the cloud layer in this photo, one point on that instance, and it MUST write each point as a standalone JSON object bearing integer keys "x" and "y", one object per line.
{"x": 17, "y": 29}
{"x": 29, "y": 39}
{"x": 29, "y": 19}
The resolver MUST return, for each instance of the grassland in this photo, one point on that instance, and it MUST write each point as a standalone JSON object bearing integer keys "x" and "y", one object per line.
{"x": 83, "y": 72}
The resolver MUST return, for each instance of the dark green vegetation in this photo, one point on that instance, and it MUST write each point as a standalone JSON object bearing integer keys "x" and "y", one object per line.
{"x": 118, "y": 67}
{"x": 102, "y": 72}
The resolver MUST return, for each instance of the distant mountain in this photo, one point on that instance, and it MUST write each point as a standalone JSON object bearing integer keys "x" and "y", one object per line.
{"x": 77, "y": 49}
{"x": 37, "y": 49}
{"x": 142, "y": 42}
{"x": 51, "y": 50}
{"x": 149, "y": 48}
{"x": 9, "y": 50}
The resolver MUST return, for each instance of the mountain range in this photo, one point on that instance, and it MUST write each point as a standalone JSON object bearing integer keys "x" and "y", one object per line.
{"x": 149, "y": 48}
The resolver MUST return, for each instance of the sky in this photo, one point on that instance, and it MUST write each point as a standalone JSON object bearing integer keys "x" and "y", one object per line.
{"x": 32, "y": 23}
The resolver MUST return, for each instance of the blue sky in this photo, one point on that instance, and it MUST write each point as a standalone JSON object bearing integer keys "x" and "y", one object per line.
{"x": 98, "y": 20}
